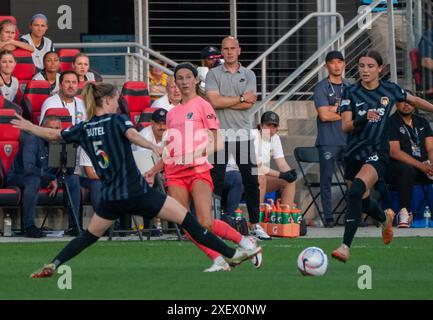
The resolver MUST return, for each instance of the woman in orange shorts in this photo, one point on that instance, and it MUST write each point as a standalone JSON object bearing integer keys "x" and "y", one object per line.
{"x": 192, "y": 134}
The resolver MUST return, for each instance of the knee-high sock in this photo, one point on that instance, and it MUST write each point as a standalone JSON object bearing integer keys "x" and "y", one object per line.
{"x": 373, "y": 209}
{"x": 222, "y": 229}
{"x": 74, "y": 247}
{"x": 205, "y": 237}
{"x": 354, "y": 210}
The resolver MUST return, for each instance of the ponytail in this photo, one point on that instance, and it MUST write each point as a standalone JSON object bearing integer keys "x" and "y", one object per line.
{"x": 93, "y": 94}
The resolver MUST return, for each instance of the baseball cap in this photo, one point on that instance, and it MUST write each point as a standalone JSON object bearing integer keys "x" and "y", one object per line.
{"x": 334, "y": 55}
{"x": 159, "y": 115}
{"x": 210, "y": 52}
{"x": 270, "y": 117}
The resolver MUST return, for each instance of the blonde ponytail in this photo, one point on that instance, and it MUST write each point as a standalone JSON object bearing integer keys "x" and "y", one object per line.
{"x": 89, "y": 100}
{"x": 93, "y": 94}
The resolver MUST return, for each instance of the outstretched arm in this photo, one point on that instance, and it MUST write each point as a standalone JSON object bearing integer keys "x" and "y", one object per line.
{"x": 45, "y": 133}
{"x": 136, "y": 138}
{"x": 419, "y": 103}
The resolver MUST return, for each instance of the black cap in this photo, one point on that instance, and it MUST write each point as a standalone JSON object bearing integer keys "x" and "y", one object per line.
{"x": 270, "y": 117}
{"x": 186, "y": 65}
{"x": 210, "y": 52}
{"x": 159, "y": 115}
{"x": 334, "y": 55}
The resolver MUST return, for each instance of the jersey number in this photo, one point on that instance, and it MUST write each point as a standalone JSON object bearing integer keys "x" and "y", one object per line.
{"x": 105, "y": 161}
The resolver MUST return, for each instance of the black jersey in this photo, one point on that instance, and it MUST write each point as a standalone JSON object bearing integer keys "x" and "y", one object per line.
{"x": 103, "y": 138}
{"x": 371, "y": 138}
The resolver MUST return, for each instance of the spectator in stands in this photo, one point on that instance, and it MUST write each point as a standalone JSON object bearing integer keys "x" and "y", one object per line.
{"x": 36, "y": 38}
{"x": 155, "y": 131}
{"x": 210, "y": 58}
{"x": 331, "y": 139}
{"x": 8, "y": 31}
{"x": 9, "y": 85}
{"x": 157, "y": 81}
{"x": 50, "y": 71}
{"x": 268, "y": 145}
{"x": 67, "y": 98}
{"x": 81, "y": 65}
{"x": 187, "y": 170}
{"x": 411, "y": 150}
{"x": 30, "y": 172}
{"x": 365, "y": 110}
{"x": 379, "y": 34}
{"x": 231, "y": 89}
{"x": 425, "y": 47}
{"x": 171, "y": 98}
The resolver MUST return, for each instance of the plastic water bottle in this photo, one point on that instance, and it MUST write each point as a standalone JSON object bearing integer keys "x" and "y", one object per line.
{"x": 7, "y": 226}
{"x": 427, "y": 216}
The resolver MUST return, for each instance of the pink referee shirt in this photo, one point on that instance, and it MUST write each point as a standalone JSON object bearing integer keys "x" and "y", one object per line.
{"x": 187, "y": 126}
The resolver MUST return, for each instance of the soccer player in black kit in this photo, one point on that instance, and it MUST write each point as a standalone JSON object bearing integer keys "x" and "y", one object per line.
{"x": 107, "y": 139}
{"x": 365, "y": 110}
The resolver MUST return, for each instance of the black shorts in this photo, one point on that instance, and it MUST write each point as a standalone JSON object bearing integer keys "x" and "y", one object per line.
{"x": 353, "y": 166}
{"x": 147, "y": 205}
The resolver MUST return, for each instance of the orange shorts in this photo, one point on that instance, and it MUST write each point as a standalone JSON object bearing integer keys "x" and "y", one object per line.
{"x": 187, "y": 182}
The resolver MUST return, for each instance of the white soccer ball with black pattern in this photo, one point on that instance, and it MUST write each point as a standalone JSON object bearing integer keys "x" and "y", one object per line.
{"x": 312, "y": 261}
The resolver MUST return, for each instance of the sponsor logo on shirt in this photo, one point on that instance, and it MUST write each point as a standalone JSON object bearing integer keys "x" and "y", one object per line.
{"x": 242, "y": 80}
{"x": 359, "y": 103}
{"x": 345, "y": 102}
{"x": 211, "y": 116}
{"x": 384, "y": 101}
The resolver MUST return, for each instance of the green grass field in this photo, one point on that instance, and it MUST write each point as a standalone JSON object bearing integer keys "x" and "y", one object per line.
{"x": 173, "y": 270}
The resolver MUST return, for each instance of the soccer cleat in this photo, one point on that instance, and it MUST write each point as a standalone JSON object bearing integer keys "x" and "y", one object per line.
{"x": 342, "y": 253}
{"x": 403, "y": 219}
{"x": 387, "y": 226}
{"x": 218, "y": 265}
{"x": 251, "y": 243}
{"x": 46, "y": 272}
{"x": 259, "y": 233}
{"x": 242, "y": 254}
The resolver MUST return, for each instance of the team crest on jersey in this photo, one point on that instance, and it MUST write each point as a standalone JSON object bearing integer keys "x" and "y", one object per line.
{"x": 345, "y": 102}
{"x": 8, "y": 150}
{"x": 384, "y": 101}
{"x": 402, "y": 131}
{"x": 362, "y": 112}
{"x": 189, "y": 115}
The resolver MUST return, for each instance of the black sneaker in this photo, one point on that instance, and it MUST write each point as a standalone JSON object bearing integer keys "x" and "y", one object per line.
{"x": 73, "y": 232}
{"x": 329, "y": 223}
{"x": 33, "y": 232}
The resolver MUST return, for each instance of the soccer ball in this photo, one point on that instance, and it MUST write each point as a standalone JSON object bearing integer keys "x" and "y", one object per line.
{"x": 313, "y": 261}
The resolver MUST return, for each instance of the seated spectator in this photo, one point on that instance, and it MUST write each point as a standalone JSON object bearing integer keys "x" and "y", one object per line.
{"x": 81, "y": 65}
{"x": 411, "y": 151}
{"x": 171, "y": 98}
{"x": 157, "y": 81}
{"x": 30, "y": 172}
{"x": 50, "y": 71}
{"x": 155, "y": 131}
{"x": 67, "y": 98}
{"x": 36, "y": 38}
{"x": 425, "y": 47}
{"x": 268, "y": 144}
{"x": 9, "y": 85}
{"x": 210, "y": 58}
{"x": 8, "y": 32}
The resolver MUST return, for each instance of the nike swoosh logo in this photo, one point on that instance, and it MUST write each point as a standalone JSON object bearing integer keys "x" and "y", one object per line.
{"x": 350, "y": 220}
{"x": 421, "y": 129}
{"x": 359, "y": 104}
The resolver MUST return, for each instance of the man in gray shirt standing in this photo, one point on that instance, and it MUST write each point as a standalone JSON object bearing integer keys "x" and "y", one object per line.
{"x": 331, "y": 139}
{"x": 231, "y": 89}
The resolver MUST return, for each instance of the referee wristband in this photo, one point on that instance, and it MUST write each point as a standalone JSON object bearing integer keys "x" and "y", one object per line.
{"x": 360, "y": 121}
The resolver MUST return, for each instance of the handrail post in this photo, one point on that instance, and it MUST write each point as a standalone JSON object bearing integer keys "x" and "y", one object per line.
{"x": 392, "y": 60}
{"x": 233, "y": 19}
{"x": 263, "y": 78}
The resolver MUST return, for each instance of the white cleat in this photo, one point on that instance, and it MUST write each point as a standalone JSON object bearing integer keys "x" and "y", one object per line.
{"x": 251, "y": 243}
{"x": 259, "y": 233}
{"x": 219, "y": 265}
{"x": 243, "y": 254}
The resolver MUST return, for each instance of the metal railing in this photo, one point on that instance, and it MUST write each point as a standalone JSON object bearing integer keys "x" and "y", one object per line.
{"x": 262, "y": 58}
{"x": 313, "y": 58}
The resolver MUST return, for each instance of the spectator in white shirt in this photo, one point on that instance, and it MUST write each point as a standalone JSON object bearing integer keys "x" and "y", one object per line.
{"x": 154, "y": 133}
{"x": 67, "y": 98}
{"x": 171, "y": 99}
